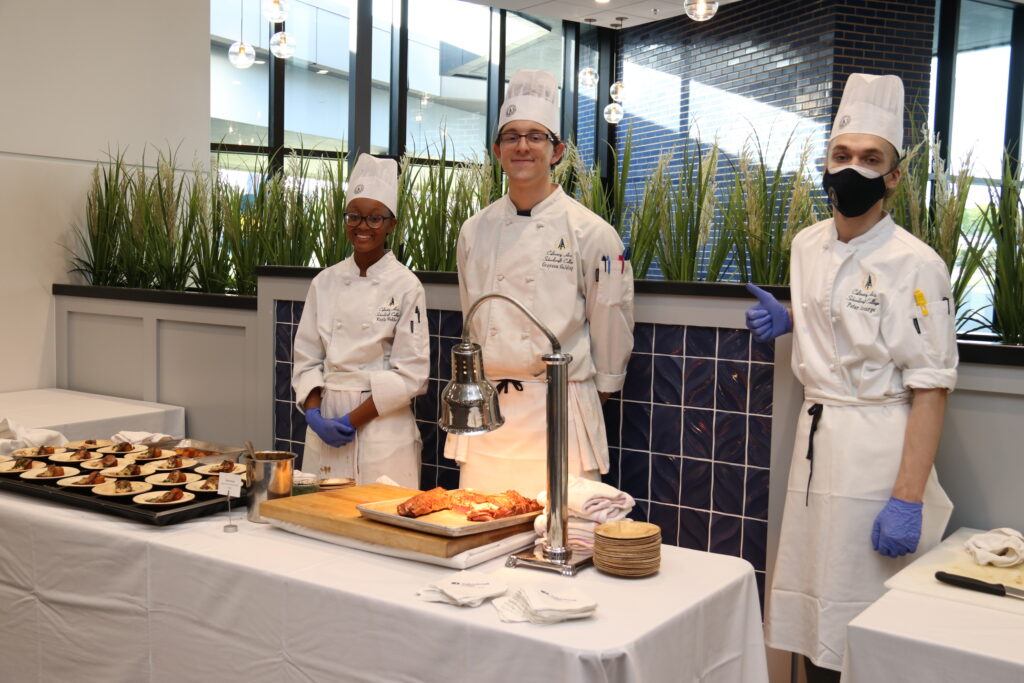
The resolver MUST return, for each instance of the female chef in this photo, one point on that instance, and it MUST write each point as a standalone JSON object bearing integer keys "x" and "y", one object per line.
{"x": 362, "y": 350}
{"x": 874, "y": 347}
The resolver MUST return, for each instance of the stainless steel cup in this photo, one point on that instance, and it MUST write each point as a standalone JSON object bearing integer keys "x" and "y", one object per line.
{"x": 268, "y": 476}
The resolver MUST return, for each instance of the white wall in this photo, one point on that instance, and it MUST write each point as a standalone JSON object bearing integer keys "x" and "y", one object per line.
{"x": 81, "y": 78}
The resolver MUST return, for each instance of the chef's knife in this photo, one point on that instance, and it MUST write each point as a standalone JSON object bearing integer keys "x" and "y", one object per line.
{"x": 982, "y": 586}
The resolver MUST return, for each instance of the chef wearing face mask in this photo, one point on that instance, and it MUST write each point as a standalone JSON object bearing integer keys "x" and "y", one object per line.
{"x": 362, "y": 347}
{"x": 875, "y": 348}
{"x": 568, "y": 267}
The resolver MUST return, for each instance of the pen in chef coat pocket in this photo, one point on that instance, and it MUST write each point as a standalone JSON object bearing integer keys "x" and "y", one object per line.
{"x": 979, "y": 585}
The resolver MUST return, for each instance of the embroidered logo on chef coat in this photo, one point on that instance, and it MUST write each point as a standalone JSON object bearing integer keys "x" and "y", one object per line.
{"x": 559, "y": 258}
{"x": 390, "y": 312}
{"x": 863, "y": 298}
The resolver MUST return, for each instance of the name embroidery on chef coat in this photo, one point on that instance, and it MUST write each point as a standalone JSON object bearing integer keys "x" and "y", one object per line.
{"x": 389, "y": 312}
{"x": 559, "y": 258}
{"x": 863, "y": 298}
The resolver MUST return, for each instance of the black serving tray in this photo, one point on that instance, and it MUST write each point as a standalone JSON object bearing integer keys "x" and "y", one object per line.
{"x": 88, "y": 500}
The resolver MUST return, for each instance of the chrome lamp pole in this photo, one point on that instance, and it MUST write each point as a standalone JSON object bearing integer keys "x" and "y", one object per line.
{"x": 470, "y": 406}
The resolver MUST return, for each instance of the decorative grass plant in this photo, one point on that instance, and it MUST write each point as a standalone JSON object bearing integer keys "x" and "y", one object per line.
{"x": 1003, "y": 267}
{"x": 106, "y": 217}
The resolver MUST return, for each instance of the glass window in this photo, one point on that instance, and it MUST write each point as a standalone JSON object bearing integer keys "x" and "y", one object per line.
{"x": 533, "y": 42}
{"x": 586, "y": 105}
{"x": 380, "y": 93}
{"x": 238, "y": 97}
{"x": 316, "y": 77}
{"x": 448, "y": 62}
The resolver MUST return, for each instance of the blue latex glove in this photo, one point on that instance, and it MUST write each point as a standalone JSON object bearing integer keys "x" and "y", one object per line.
{"x": 768, "y": 319}
{"x": 333, "y": 432}
{"x": 897, "y": 528}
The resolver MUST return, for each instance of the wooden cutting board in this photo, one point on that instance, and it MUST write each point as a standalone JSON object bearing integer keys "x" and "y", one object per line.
{"x": 335, "y": 512}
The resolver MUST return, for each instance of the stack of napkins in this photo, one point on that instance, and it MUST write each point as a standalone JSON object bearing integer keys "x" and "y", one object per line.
{"x": 590, "y": 503}
{"x": 1000, "y": 547}
{"x": 465, "y": 589}
{"x": 545, "y": 604}
{"x": 140, "y": 437}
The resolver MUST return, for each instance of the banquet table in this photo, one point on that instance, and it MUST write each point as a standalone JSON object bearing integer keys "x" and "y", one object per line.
{"x": 924, "y": 630}
{"x": 88, "y": 597}
{"x": 79, "y": 415}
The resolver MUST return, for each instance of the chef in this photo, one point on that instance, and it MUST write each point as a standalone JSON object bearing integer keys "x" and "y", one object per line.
{"x": 567, "y": 266}
{"x": 875, "y": 348}
{"x": 362, "y": 347}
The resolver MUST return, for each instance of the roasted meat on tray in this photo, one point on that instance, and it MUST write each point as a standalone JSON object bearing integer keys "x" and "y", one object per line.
{"x": 52, "y": 471}
{"x": 477, "y": 506}
{"x": 123, "y": 486}
{"x": 82, "y": 453}
{"x": 123, "y": 447}
{"x": 22, "y": 464}
{"x": 227, "y": 466}
{"x": 130, "y": 470}
{"x": 176, "y": 477}
{"x": 92, "y": 479}
{"x": 169, "y": 497}
{"x": 210, "y": 483}
{"x": 109, "y": 460}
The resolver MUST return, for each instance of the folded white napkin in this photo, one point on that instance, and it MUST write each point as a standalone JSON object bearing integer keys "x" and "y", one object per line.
{"x": 385, "y": 479}
{"x": 580, "y": 532}
{"x": 595, "y": 500}
{"x": 545, "y": 604}
{"x": 140, "y": 437}
{"x": 465, "y": 589}
{"x": 1000, "y": 547}
{"x": 14, "y": 436}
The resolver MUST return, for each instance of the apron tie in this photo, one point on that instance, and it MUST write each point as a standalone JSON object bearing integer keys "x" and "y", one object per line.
{"x": 815, "y": 412}
{"x": 502, "y": 386}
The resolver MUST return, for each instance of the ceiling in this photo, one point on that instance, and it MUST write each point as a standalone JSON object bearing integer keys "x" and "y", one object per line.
{"x": 636, "y": 12}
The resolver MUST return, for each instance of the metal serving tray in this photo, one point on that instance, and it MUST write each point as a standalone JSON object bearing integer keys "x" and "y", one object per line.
{"x": 202, "y": 506}
{"x": 440, "y": 523}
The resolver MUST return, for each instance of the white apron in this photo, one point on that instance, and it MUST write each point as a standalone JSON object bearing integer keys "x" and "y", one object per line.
{"x": 826, "y": 571}
{"x": 387, "y": 445}
{"x": 515, "y": 455}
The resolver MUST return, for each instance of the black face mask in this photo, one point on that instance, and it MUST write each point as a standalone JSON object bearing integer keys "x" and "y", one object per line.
{"x": 851, "y": 193}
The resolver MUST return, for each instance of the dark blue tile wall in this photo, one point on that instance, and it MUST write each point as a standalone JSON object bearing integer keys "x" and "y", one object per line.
{"x": 689, "y": 435}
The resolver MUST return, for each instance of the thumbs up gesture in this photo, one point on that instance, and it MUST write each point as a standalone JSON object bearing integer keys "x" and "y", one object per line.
{"x": 768, "y": 319}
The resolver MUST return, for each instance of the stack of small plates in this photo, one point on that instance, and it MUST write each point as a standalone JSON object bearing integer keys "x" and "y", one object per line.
{"x": 336, "y": 483}
{"x": 627, "y": 548}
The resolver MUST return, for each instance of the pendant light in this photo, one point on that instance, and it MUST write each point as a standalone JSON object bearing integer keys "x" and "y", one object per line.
{"x": 617, "y": 91}
{"x": 276, "y": 11}
{"x": 241, "y": 54}
{"x": 613, "y": 113}
{"x": 700, "y": 10}
{"x": 588, "y": 77}
{"x": 281, "y": 45}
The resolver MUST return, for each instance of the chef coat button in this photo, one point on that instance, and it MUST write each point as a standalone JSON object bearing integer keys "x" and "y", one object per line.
{"x": 362, "y": 366}
{"x": 337, "y": 324}
{"x": 835, "y": 318}
{"x": 501, "y": 277}
{"x": 494, "y": 333}
{"x": 366, "y": 325}
{"x": 803, "y": 365}
{"x": 803, "y": 305}
{"x": 540, "y": 225}
{"x": 376, "y": 282}
{"x": 529, "y": 279}
{"x": 524, "y": 335}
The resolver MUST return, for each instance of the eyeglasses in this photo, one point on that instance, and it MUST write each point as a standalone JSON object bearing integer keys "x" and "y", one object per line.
{"x": 373, "y": 221}
{"x": 534, "y": 138}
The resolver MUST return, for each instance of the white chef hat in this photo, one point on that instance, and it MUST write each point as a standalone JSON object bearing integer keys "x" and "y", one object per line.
{"x": 872, "y": 104}
{"x": 375, "y": 178}
{"x": 531, "y": 95}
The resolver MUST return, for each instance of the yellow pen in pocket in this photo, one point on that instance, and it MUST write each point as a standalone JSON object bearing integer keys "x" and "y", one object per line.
{"x": 921, "y": 301}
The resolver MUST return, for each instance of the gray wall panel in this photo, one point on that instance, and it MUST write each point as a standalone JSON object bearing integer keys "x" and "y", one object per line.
{"x": 106, "y": 354}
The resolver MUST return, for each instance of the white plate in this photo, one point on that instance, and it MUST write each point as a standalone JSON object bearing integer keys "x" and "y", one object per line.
{"x": 5, "y": 458}
{"x": 206, "y": 469}
{"x": 144, "y": 471}
{"x": 145, "y": 498}
{"x": 161, "y": 465}
{"x": 95, "y": 464}
{"x": 195, "y": 487}
{"x": 34, "y": 452}
{"x": 107, "y": 489}
{"x": 7, "y": 467}
{"x": 36, "y": 473}
{"x": 69, "y": 457}
{"x": 158, "y": 479}
{"x": 70, "y": 482}
{"x": 137, "y": 448}
{"x": 100, "y": 443}
{"x": 160, "y": 454}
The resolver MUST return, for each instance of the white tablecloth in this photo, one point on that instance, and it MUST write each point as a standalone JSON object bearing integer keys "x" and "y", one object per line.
{"x": 909, "y": 638}
{"x": 78, "y": 415}
{"x": 85, "y": 597}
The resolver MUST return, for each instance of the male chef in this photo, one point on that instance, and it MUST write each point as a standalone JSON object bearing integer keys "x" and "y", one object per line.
{"x": 875, "y": 348}
{"x": 567, "y": 266}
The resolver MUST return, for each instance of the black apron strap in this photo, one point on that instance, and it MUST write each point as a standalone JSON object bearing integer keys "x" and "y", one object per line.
{"x": 815, "y": 412}
{"x": 502, "y": 386}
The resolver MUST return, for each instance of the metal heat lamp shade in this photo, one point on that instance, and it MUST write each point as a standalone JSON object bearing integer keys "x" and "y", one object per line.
{"x": 469, "y": 403}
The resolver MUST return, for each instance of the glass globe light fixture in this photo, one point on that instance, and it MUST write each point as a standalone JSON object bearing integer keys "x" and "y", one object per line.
{"x": 241, "y": 55}
{"x": 281, "y": 45}
{"x": 617, "y": 91}
{"x": 588, "y": 77}
{"x": 700, "y": 10}
{"x": 613, "y": 113}
{"x": 275, "y": 11}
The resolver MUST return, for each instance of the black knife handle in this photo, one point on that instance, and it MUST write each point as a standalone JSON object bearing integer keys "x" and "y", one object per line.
{"x": 972, "y": 584}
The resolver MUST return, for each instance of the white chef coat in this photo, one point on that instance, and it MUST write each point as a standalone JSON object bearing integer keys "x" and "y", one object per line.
{"x": 363, "y": 336}
{"x": 861, "y": 343}
{"x": 568, "y": 267}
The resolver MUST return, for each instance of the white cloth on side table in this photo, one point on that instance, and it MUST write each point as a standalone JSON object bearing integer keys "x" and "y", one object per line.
{"x": 140, "y": 437}
{"x": 545, "y": 604}
{"x": 14, "y": 436}
{"x": 595, "y": 500}
{"x": 1002, "y": 547}
{"x": 580, "y": 532}
{"x": 465, "y": 589}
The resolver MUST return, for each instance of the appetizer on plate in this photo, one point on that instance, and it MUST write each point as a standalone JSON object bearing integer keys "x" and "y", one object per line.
{"x": 193, "y": 452}
{"x": 153, "y": 453}
{"x": 226, "y": 466}
{"x": 129, "y": 469}
{"x": 79, "y": 455}
{"x": 174, "y": 462}
{"x": 173, "y": 478}
{"x": 121, "y": 487}
{"x": 21, "y": 465}
{"x": 92, "y": 479}
{"x": 37, "y": 451}
{"x": 172, "y": 497}
{"x": 210, "y": 483}
{"x": 91, "y": 444}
